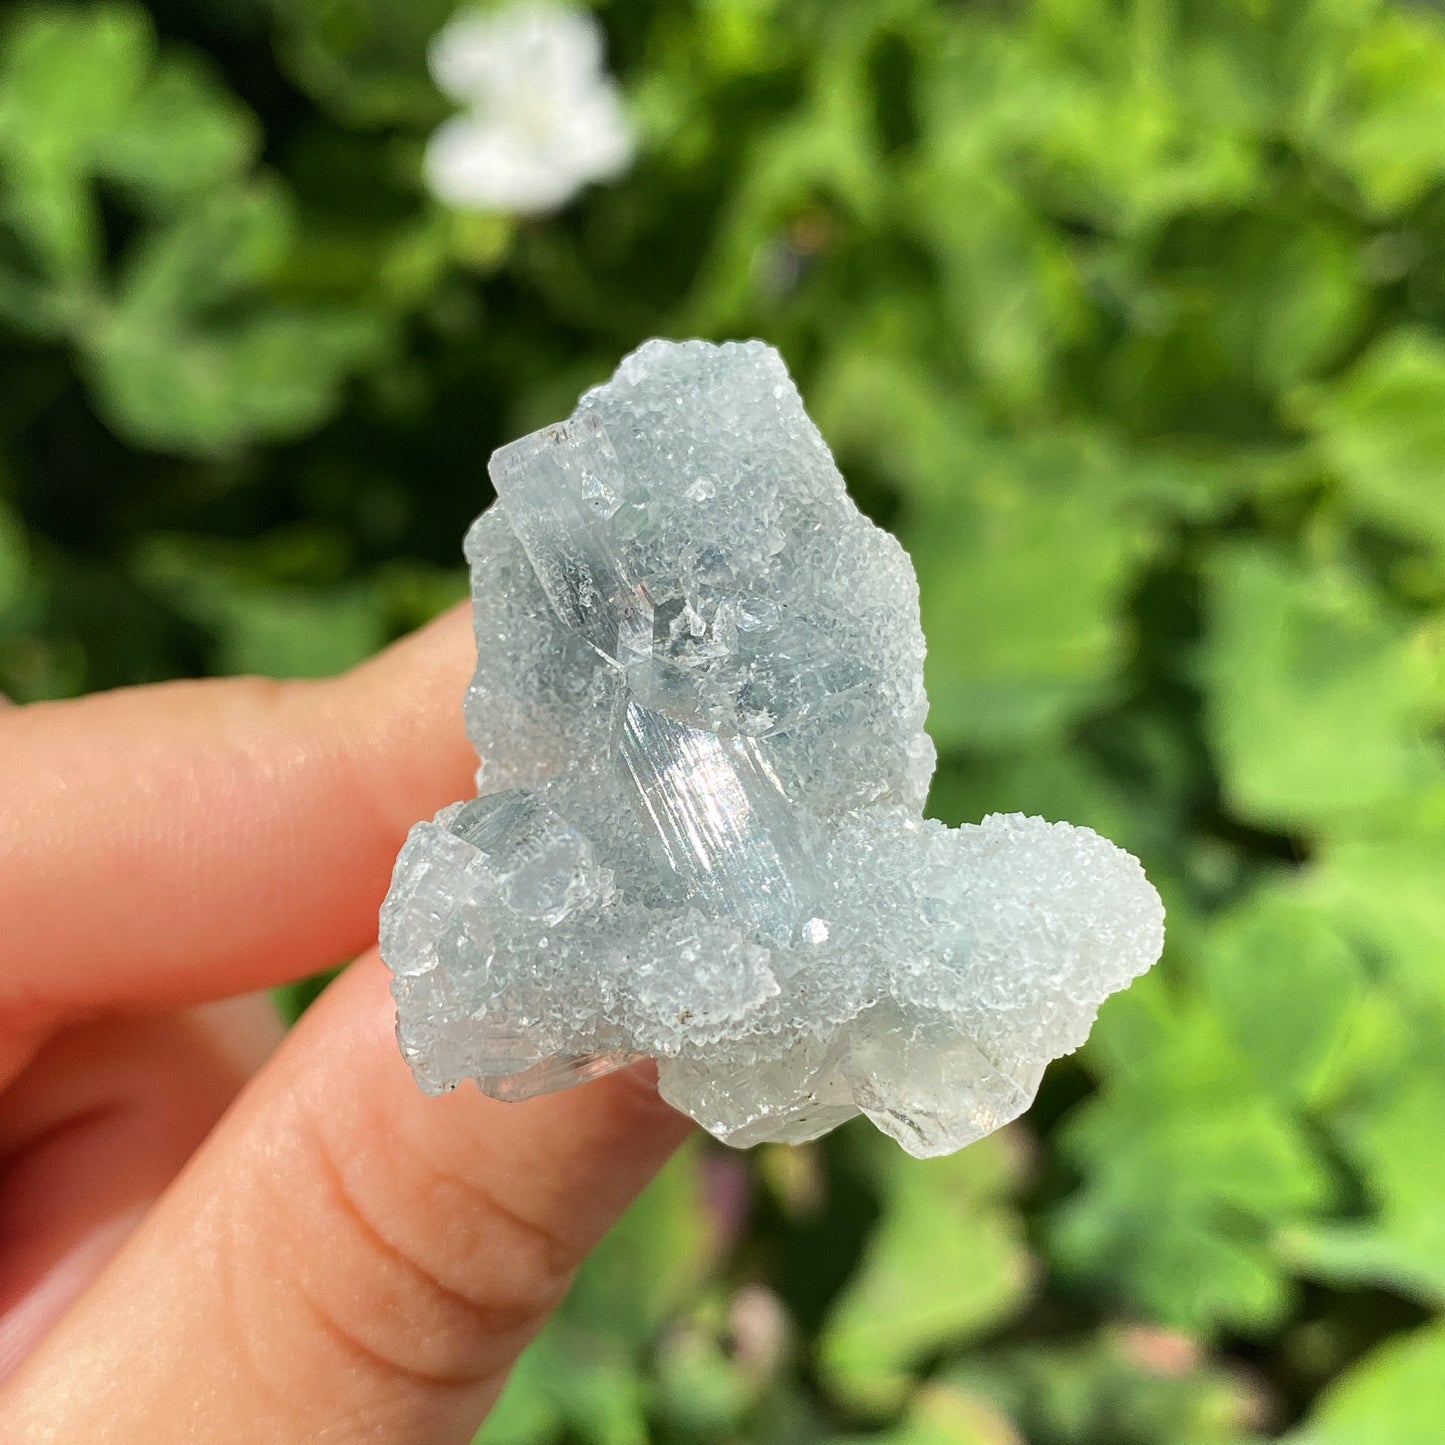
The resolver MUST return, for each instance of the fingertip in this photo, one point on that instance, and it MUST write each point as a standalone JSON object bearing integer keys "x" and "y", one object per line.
{"x": 398, "y": 719}
{"x": 236, "y": 833}
{"x": 442, "y": 648}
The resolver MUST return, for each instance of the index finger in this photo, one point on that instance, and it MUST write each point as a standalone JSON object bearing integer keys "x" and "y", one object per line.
{"x": 345, "y": 1258}
{"x": 166, "y": 845}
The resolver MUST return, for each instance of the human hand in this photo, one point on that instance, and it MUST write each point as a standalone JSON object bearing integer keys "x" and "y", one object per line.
{"x": 208, "y": 1233}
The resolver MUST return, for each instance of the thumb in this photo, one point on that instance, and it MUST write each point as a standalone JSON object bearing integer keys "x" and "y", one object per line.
{"x": 346, "y": 1258}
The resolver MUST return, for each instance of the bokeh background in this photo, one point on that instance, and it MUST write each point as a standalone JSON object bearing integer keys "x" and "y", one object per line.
{"x": 1128, "y": 317}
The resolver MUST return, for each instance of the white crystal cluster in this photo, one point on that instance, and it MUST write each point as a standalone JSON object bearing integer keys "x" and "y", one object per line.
{"x": 699, "y": 837}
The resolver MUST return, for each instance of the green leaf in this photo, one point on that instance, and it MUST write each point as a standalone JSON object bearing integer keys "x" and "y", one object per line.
{"x": 1390, "y": 1138}
{"x": 1052, "y": 781}
{"x": 878, "y": 406}
{"x": 1254, "y": 302}
{"x": 1293, "y": 297}
{"x": 1390, "y": 139}
{"x": 365, "y": 60}
{"x": 14, "y": 560}
{"x": 1284, "y": 984}
{"x": 67, "y": 79}
{"x": 170, "y": 375}
{"x": 1023, "y": 546}
{"x": 1012, "y": 286}
{"x": 1381, "y": 885}
{"x": 946, "y": 1261}
{"x": 262, "y": 625}
{"x": 1318, "y": 698}
{"x": 183, "y": 133}
{"x": 1132, "y": 138}
{"x": 585, "y": 1369}
{"x": 272, "y": 377}
{"x": 1190, "y": 1171}
{"x": 293, "y": 999}
{"x": 286, "y": 632}
{"x": 596, "y": 1391}
{"x": 526, "y": 1414}
{"x": 1116, "y": 1386}
{"x": 649, "y": 1263}
{"x": 1020, "y": 582}
{"x": 1396, "y": 1396}
{"x": 83, "y": 99}
{"x": 221, "y": 246}
{"x": 1381, "y": 429}
{"x": 700, "y": 1387}
{"x": 824, "y": 148}
{"x": 944, "y": 1414}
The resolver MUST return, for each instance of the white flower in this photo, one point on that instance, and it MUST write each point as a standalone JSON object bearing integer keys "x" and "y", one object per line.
{"x": 543, "y": 117}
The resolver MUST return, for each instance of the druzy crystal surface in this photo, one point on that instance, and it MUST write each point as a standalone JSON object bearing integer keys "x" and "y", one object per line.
{"x": 699, "y": 838}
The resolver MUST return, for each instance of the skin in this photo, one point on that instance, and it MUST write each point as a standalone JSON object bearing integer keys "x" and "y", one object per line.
{"x": 209, "y": 1232}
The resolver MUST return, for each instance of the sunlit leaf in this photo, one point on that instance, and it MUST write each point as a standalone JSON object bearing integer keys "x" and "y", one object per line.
{"x": 1010, "y": 658}
{"x": 1381, "y": 427}
{"x": 1319, "y": 698}
{"x": 1389, "y": 1137}
{"x": 1394, "y": 1397}
{"x": 1381, "y": 885}
{"x": 1189, "y": 1167}
{"x": 649, "y": 1262}
{"x": 1284, "y": 985}
{"x": 946, "y": 1261}
{"x": 944, "y": 1414}
{"x": 1117, "y": 1385}
{"x": 585, "y": 1369}
{"x": 1391, "y": 140}
{"x": 273, "y": 376}
{"x": 183, "y": 133}
{"x": 221, "y": 245}
{"x": 68, "y": 77}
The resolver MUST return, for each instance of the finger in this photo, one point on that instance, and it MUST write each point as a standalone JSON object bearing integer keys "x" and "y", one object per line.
{"x": 169, "y": 844}
{"x": 346, "y": 1259}
{"x": 93, "y": 1133}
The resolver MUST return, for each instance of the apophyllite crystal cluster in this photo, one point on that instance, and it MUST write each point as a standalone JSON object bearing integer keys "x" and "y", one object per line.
{"x": 699, "y": 838}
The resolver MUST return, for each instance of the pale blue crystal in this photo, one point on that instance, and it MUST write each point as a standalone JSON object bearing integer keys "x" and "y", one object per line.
{"x": 716, "y": 816}
{"x": 699, "y": 837}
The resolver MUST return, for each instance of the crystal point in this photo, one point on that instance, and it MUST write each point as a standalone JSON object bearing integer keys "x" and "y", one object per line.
{"x": 699, "y": 836}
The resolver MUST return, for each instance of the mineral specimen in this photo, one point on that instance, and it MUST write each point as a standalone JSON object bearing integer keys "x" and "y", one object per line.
{"x": 699, "y": 707}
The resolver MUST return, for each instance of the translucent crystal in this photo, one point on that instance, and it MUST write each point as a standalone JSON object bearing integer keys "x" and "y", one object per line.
{"x": 699, "y": 708}
{"x": 718, "y": 818}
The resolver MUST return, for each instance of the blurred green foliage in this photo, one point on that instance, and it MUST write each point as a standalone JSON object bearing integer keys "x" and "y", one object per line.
{"x": 1128, "y": 316}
